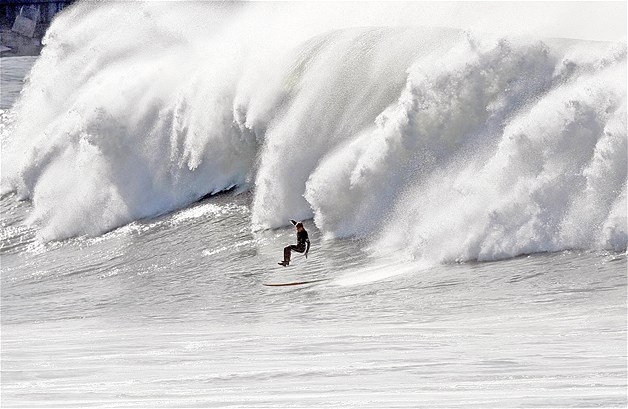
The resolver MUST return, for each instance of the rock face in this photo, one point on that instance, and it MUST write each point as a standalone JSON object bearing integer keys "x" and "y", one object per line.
{"x": 26, "y": 22}
{"x": 23, "y": 24}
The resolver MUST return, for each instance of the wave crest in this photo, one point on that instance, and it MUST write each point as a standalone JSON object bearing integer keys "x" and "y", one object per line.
{"x": 442, "y": 144}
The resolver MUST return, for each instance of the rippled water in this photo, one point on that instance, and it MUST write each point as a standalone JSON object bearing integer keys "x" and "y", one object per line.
{"x": 158, "y": 313}
{"x": 172, "y": 312}
{"x": 12, "y": 72}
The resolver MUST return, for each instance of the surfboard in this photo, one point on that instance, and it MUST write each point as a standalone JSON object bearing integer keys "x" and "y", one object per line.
{"x": 294, "y": 283}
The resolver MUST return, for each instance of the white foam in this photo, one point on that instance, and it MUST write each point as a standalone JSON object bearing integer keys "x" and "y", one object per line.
{"x": 446, "y": 144}
{"x": 551, "y": 183}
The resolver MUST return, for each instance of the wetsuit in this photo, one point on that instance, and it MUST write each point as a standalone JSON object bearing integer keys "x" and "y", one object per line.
{"x": 303, "y": 245}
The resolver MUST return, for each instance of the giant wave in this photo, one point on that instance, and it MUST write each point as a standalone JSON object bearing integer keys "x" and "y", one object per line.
{"x": 435, "y": 143}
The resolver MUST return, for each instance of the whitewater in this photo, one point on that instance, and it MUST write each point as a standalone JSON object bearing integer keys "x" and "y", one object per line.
{"x": 464, "y": 191}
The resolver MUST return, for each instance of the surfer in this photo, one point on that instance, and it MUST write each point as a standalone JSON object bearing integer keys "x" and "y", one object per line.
{"x": 303, "y": 244}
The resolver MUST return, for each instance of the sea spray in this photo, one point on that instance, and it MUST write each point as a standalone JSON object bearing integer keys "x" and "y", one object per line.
{"x": 350, "y": 78}
{"x": 553, "y": 182}
{"x": 112, "y": 129}
{"x": 437, "y": 143}
{"x": 460, "y": 99}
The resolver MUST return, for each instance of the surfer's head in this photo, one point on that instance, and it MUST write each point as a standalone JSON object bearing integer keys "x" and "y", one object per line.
{"x": 299, "y": 226}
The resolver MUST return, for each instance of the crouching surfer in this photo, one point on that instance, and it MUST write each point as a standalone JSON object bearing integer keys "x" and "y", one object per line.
{"x": 303, "y": 244}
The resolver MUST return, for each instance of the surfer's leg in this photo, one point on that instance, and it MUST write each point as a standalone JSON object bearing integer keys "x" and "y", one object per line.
{"x": 286, "y": 253}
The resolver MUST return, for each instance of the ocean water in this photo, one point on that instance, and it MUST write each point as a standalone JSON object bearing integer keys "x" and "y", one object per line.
{"x": 465, "y": 195}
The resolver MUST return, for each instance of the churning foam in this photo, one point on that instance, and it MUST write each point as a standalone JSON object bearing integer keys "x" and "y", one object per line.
{"x": 441, "y": 144}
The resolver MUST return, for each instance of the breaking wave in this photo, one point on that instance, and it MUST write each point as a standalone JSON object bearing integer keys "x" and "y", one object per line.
{"x": 436, "y": 143}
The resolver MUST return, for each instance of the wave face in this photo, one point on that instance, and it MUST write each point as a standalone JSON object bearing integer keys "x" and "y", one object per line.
{"x": 436, "y": 143}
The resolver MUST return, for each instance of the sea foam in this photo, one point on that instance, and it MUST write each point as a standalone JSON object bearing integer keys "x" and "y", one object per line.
{"x": 437, "y": 144}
